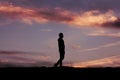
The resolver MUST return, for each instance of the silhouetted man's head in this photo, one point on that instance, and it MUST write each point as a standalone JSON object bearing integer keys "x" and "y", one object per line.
{"x": 61, "y": 35}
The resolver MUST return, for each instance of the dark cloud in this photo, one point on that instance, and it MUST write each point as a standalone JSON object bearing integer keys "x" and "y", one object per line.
{"x": 113, "y": 24}
{"x": 55, "y": 15}
{"x": 12, "y": 52}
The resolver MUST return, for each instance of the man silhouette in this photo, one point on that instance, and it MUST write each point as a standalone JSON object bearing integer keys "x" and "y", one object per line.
{"x": 61, "y": 47}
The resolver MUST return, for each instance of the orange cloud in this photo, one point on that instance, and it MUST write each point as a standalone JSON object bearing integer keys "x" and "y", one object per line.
{"x": 93, "y": 18}
{"x": 113, "y": 61}
{"x": 29, "y": 15}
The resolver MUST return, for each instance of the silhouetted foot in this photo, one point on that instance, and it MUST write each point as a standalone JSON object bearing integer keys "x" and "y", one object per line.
{"x": 55, "y": 65}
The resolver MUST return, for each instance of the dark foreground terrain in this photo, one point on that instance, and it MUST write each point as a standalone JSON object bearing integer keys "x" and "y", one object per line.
{"x": 57, "y": 73}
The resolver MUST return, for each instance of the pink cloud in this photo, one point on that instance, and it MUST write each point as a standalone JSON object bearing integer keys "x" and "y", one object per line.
{"x": 29, "y": 15}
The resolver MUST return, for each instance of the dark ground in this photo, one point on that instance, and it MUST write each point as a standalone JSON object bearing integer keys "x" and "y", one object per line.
{"x": 57, "y": 73}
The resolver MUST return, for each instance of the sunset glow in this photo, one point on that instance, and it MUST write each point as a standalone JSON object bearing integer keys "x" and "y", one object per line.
{"x": 29, "y": 32}
{"x": 105, "y": 62}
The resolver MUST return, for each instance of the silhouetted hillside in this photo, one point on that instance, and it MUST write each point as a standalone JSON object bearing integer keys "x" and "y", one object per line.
{"x": 61, "y": 73}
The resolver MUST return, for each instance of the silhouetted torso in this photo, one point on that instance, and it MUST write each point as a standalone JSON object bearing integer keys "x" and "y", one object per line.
{"x": 61, "y": 45}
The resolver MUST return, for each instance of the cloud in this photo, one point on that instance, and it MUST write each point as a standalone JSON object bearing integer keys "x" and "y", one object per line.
{"x": 104, "y": 33}
{"x": 75, "y": 46}
{"x": 16, "y": 55}
{"x": 42, "y": 58}
{"x": 30, "y": 15}
{"x": 113, "y": 61}
{"x": 102, "y": 46}
{"x": 69, "y": 4}
{"x": 93, "y": 18}
{"x": 22, "y": 59}
{"x": 46, "y": 30}
{"x": 44, "y": 15}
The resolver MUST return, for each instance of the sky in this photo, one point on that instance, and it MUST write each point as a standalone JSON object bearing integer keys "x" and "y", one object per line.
{"x": 90, "y": 28}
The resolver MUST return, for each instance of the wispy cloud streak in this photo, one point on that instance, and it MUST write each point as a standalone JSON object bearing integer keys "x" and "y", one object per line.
{"x": 104, "y": 33}
{"x": 22, "y": 59}
{"x": 102, "y": 46}
{"x": 113, "y": 61}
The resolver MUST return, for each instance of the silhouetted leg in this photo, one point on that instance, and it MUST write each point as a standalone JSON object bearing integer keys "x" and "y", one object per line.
{"x": 61, "y": 59}
{"x": 60, "y": 63}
